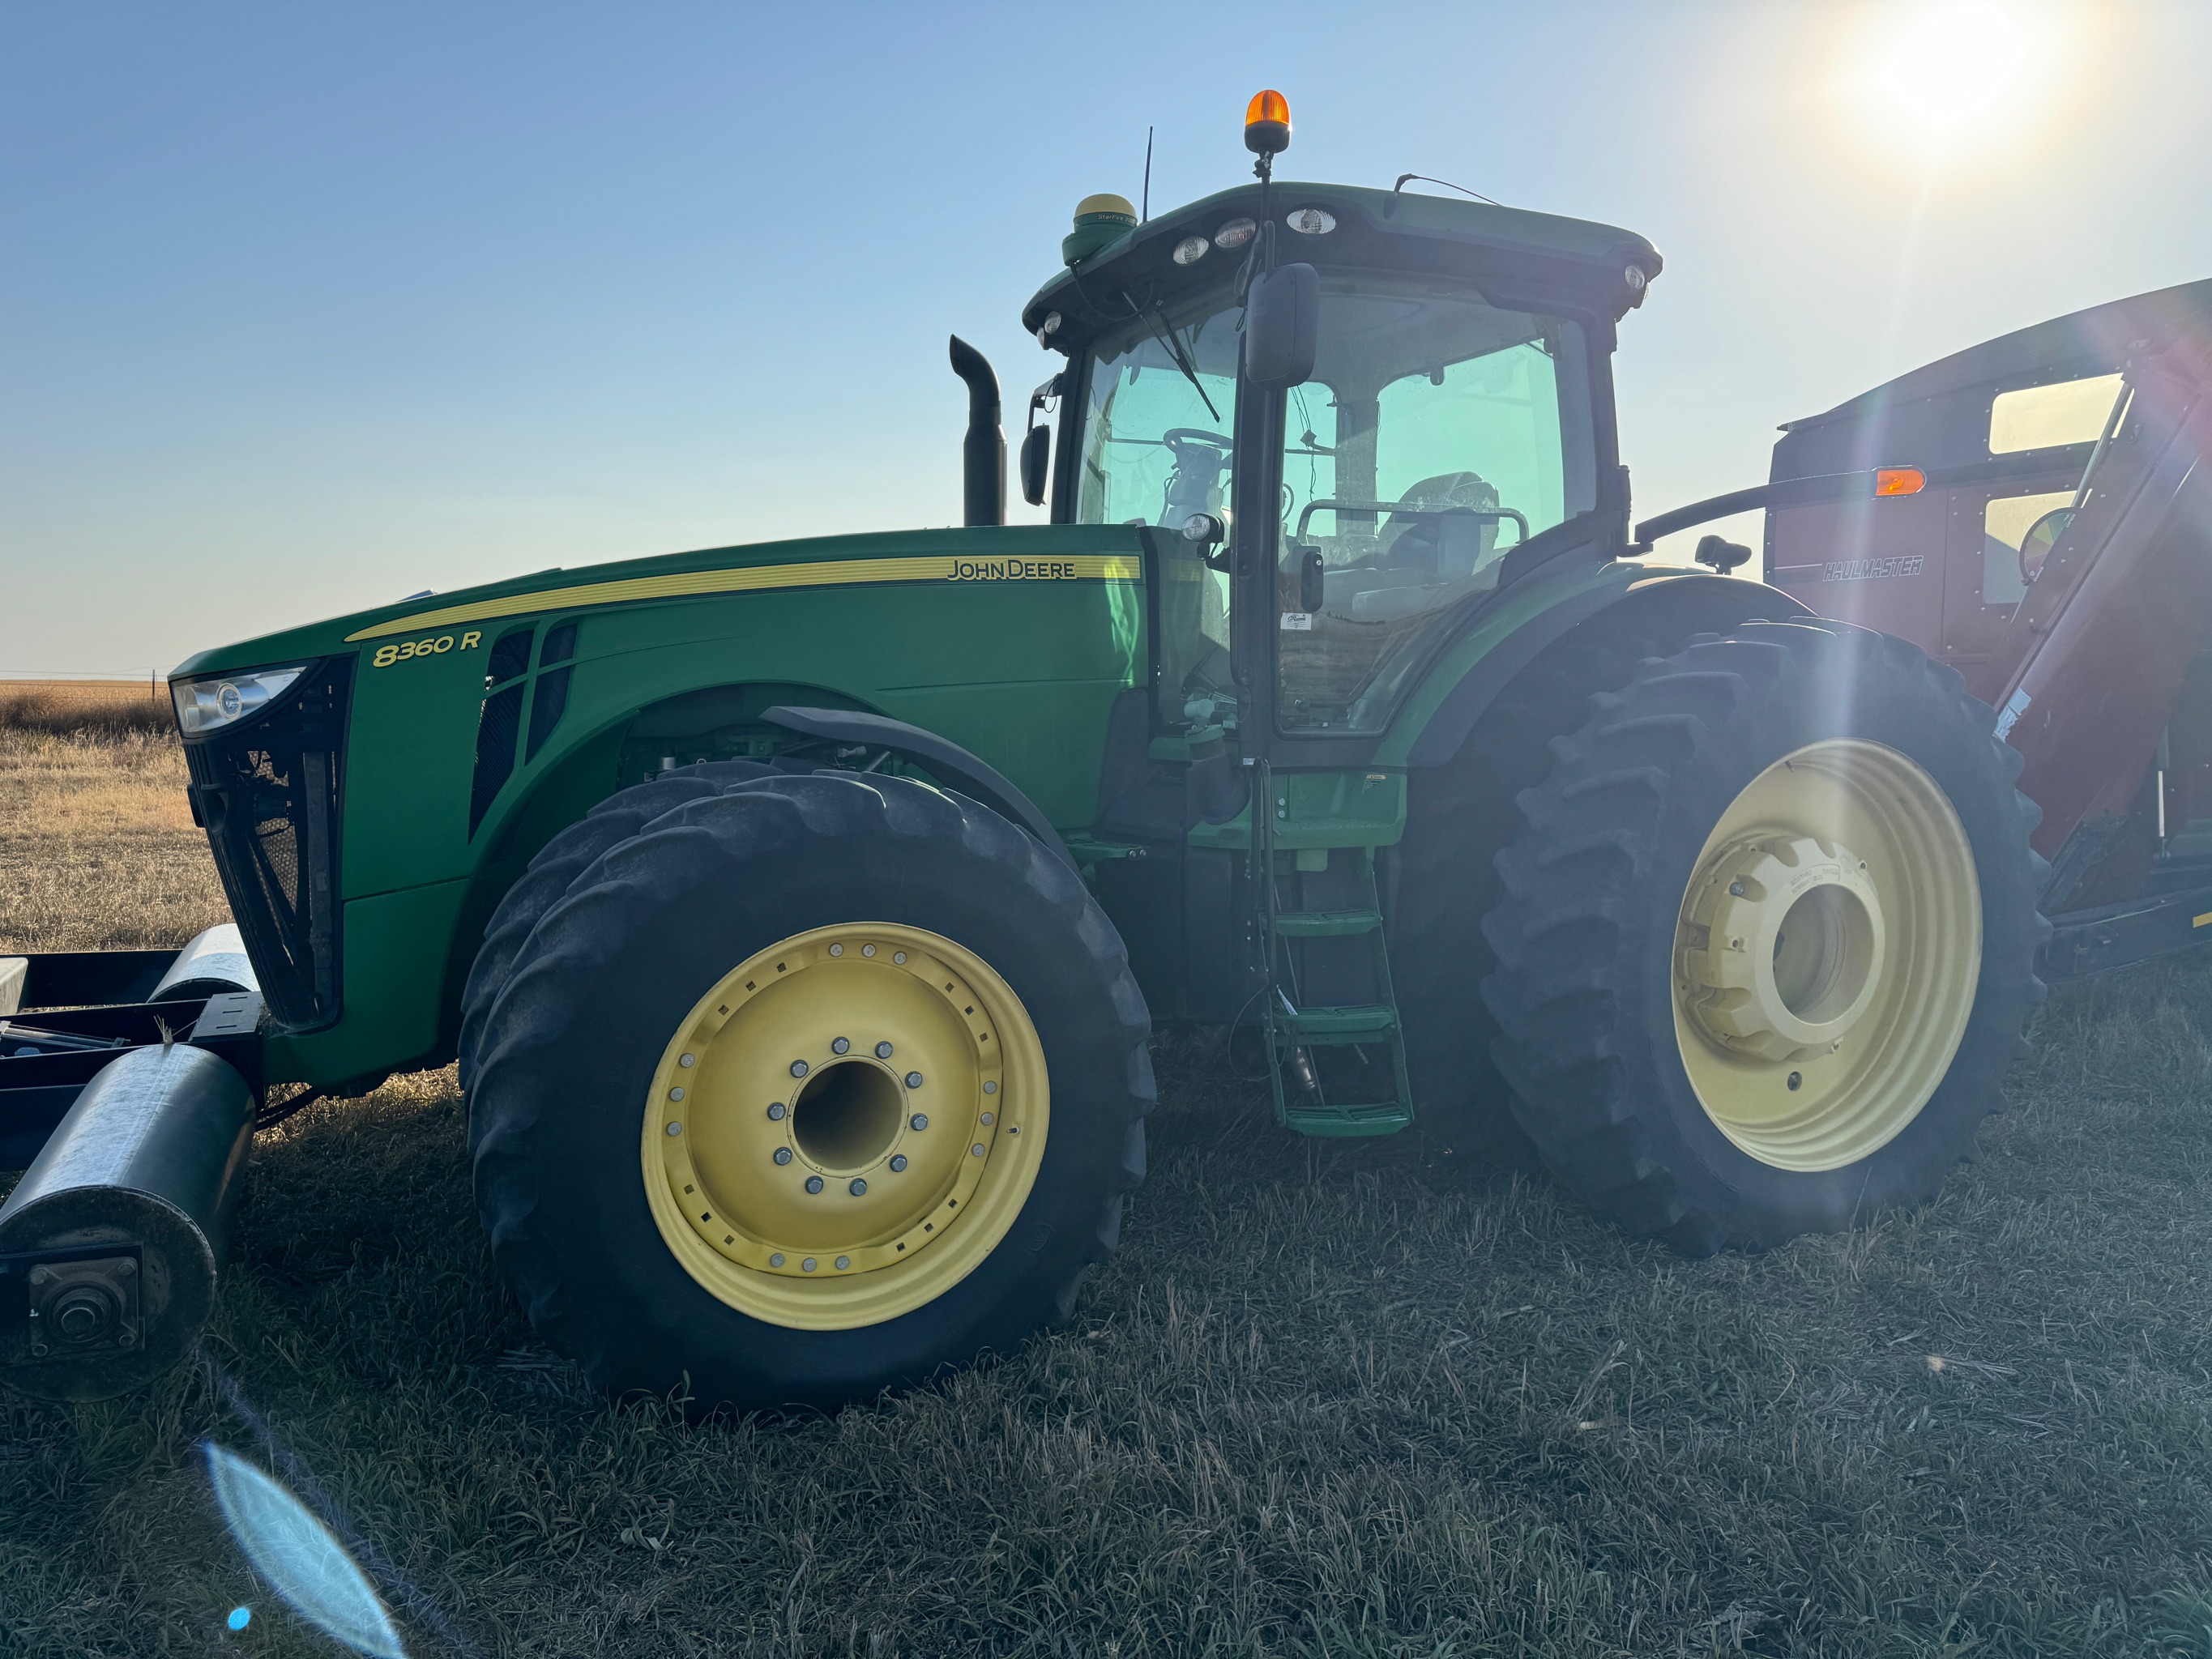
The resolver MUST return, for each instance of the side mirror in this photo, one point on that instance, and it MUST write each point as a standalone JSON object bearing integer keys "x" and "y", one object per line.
{"x": 2042, "y": 536}
{"x": 1720, "y": 554}
{"x": 1282, "y": 326}
{"x": 1036, "y": 455}
{"x": 1312, "y": 590}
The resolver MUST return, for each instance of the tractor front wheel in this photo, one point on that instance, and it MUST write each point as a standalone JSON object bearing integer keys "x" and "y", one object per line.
{"x": 1767, "y": 938}
{"x": 813, "y": 1086}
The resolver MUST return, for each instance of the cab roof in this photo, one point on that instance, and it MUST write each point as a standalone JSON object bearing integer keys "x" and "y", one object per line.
{"x": 1513, "y": 256}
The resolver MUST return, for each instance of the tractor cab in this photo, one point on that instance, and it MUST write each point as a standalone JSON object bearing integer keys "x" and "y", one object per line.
{"x": 1435, "y": 415}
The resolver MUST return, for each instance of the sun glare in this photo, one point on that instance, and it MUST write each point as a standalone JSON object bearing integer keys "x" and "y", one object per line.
{"x": 1945, "y": 88}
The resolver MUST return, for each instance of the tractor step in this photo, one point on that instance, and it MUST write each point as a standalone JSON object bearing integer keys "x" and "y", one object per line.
{"x": 1339, "y": 949}
{"x": 1357, "y": 1024}
{"x": 1327, "y": 924}
{"x": 1384, "y": 1117}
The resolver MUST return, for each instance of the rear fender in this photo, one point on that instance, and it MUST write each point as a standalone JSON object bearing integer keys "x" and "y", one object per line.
{"x": 1638, "y": 599}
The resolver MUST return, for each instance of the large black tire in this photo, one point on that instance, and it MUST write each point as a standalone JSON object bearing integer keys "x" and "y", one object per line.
{"x": 1459, "y": 816}
{"x": 557, "y": 864}
{"x": 1595, "y": 885}
{"x": 567, "y": 1055}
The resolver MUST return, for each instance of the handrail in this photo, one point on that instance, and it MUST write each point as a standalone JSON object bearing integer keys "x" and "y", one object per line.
{"x": 1491, "y": 514}
{"x": 1823, "y": 488}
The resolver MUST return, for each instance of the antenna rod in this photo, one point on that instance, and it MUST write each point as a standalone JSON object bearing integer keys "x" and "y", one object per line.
{"x": 1146, "y": 211}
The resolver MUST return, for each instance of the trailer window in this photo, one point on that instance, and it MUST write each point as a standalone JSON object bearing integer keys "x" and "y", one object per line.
{"x": 1438, "y": 433}
{"x": 2049, "y": 416}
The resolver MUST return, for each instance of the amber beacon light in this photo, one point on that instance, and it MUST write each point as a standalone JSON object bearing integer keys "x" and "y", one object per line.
{"x": 1267, "y": 124}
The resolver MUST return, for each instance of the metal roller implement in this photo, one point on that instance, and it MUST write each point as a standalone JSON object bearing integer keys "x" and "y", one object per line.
{"x": 109, "y": 1244}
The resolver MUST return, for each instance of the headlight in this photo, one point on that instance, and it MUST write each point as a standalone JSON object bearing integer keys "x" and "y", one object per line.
{"x": 220, "y": 700}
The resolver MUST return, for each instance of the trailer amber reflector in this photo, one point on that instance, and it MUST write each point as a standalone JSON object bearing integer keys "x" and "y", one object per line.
{"x": 1899, "y": 480}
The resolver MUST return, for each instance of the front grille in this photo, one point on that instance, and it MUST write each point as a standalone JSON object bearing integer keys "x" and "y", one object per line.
{"x": 269, "y": 792}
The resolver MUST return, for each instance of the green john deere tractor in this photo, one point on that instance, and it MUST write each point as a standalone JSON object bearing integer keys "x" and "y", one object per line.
{"x": 799, "y": 913}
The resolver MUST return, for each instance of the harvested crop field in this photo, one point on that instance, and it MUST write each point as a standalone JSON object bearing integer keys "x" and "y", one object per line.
{"x": 1340, "y": 1399}
{"x": 92, "y": 708}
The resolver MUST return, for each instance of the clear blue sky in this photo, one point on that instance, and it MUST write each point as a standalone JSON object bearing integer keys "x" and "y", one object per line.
{"x": 305, "y": 307}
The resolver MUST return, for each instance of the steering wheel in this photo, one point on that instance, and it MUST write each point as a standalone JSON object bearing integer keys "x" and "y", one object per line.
{"x": 1193, "y": 434}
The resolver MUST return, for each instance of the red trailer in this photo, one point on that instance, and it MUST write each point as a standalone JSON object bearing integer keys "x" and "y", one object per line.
{"x": 2035, "y": 511}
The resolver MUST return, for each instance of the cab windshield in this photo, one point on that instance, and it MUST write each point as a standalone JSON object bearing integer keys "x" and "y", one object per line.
{"x": 1437, "y": 433}
{"x": 1160, "y": 410}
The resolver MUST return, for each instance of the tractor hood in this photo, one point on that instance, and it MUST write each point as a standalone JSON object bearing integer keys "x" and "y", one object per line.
{"x": 995, "y": 553}
{"x": 1531, "y": 260}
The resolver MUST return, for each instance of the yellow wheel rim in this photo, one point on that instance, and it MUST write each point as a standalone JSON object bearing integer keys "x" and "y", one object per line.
{"x": 845, "y": 1126}
{"x": 1827, "y": 955}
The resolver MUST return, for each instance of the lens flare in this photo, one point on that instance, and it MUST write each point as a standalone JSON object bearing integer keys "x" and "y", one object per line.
{"x": 297, "y": 1558}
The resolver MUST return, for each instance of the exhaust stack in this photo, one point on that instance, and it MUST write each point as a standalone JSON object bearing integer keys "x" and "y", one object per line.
{"x": 983, "y": 456}
{"x": 110, "y": 1243}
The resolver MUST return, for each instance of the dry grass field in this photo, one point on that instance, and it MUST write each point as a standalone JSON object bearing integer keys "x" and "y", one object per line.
{"x": 1330, "y": 1399}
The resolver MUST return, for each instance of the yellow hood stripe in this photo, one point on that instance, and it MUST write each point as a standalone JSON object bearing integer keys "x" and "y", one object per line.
{"x": 827, "y": 572}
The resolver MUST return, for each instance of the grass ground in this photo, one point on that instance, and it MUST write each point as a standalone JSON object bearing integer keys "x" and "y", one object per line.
{"x": 1335, "y": 1399}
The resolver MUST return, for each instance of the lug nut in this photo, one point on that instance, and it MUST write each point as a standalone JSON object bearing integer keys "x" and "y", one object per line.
{"x": 676, "y": 1094}
{"x": 675, "y": 1129}
{"x": 858, "y": 1188}
{"x": 990, "y": 1088}
{"x": 807, "y": 1265}
{"x": 836, "y": 950}
{"x": 844, "y": 1261}
{"x": 776, "y": 1260}
{"x": 914, "y": 1080}
{"x": 840, "y": 1046}
{"x": 776, "y": 1111}
{"x": 920, "y": 1121}
{"x": 977, "y": 1149}
{"x": 798, "y": 1068}
{"x": 687, "y": 1059}
{"x": 814, "y": 1184}
{"x": 989, "y": 1119}
{"x": 899, "y": 1162}
{"x": 883, "y": 1051}
{"x": 782, "y": 1154}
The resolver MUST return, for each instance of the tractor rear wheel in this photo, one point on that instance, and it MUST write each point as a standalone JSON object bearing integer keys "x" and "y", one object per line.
{"x": 1459, "y": 816}
{"x": 1767, "y": 938}
{"x": 811, "y": 1087}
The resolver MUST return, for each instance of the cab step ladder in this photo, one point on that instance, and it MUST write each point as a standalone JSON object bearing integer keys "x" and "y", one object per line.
{"x": 1303, "y": 1101}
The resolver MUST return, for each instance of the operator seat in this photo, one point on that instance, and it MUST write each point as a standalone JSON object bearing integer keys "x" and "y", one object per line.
{"x": 1452, "y": 547}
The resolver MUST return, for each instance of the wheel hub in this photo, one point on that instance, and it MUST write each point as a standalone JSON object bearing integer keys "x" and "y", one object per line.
{"x": 845, "y": 1124}
{"x": 1826, "y": 954}
{"x": 1784, "y": 948}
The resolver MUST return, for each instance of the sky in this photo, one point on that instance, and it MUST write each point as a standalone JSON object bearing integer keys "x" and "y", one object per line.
{"x": 307, "y": 308}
